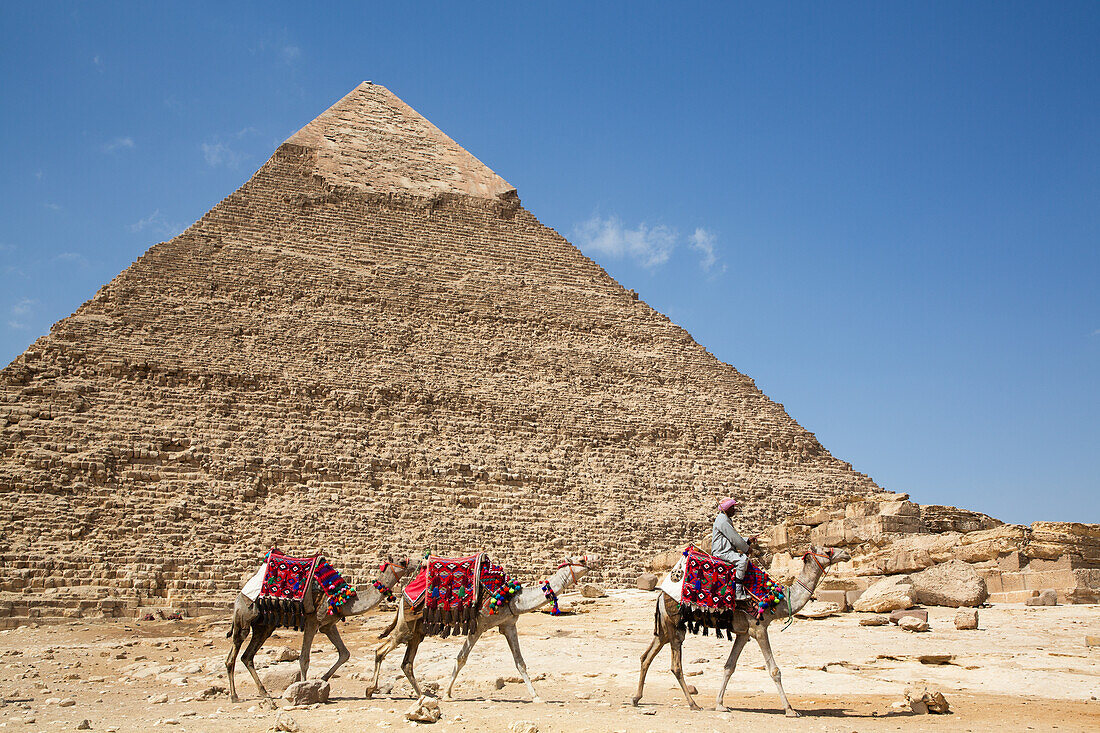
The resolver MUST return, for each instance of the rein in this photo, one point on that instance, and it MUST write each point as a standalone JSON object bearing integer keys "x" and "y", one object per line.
{"x": 823, "y": 568}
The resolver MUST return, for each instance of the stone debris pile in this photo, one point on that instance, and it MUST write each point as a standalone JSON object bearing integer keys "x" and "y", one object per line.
{"x": 905, "y": 554}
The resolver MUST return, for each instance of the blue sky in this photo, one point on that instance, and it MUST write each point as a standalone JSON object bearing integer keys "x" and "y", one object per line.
{"x": 888, "y": 215}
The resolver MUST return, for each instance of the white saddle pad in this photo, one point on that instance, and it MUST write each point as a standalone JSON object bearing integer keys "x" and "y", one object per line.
{"x": 670, "y": 586}
{"x": 252, "y": 588}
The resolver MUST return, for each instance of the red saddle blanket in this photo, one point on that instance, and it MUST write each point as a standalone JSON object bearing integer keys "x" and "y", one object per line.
{"x": 708, "y": 584}
{"x": 452, "y": 590}
{"x": 287, "y": 578}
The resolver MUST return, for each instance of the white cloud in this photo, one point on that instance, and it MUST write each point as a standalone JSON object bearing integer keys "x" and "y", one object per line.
{"x": 157, "y": 224}
{"x": 290, "y": 53}
{"x": 74, "y": 258}
{"x": 20, "y": 312}
{"x": 218, "y": 153}
{"x": 703, "y": 241}
{"x": 98, "y": 62}
{"x": 52, "y": 206}
{"x": 119, "y": 143}
{"x": 647, "y": 246}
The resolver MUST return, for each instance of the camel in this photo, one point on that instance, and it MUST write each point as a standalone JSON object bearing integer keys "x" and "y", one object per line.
{"x": 246, "y": 618}
{"x": 668, "y": 631}
{"x": 407, "y": 626}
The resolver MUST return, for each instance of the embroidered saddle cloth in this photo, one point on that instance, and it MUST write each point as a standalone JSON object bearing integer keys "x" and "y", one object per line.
{"x": 452, "y": 590}
{"x": 707, "y": 596}
{"x": 282, "y": 594}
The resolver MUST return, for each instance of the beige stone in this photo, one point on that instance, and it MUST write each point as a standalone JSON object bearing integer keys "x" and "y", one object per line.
{"x": 888, "y": 594}
{"x": 910, "y": 623}
{"x": 952, "y": 583}
{"x": 307, "y": 692}
{"x": 966, "y": 619}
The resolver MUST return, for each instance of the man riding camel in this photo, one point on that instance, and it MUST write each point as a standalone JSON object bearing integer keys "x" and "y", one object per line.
{"x": 726, "y": 544}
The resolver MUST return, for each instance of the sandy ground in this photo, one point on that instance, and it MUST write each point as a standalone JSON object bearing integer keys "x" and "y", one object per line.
{"x": 1024, "y": 669}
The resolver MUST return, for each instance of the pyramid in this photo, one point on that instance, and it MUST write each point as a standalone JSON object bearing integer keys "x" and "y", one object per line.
{"x": 371, "y": 347}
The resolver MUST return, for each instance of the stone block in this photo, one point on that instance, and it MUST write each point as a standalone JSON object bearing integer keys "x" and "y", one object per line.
{"x": 953, "y": 583}
{"x": 307, "y": 692}
{"x": 889, "y": 594}
{"x": 646, "y": 581}
{"x": 917, "y": 613}
{"x": 837, "y": 597}
{"x": 966, "y": 619}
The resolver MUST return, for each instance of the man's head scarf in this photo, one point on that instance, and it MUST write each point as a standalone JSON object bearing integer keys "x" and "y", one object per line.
{"x": 726, "y": 504}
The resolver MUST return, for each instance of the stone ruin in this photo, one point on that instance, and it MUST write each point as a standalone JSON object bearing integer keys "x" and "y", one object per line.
{"x": 371, "y": 347}
{"x": 888, "y": 535}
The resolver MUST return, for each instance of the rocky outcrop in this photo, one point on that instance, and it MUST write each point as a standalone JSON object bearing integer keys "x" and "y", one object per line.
{"x": 889, "y": 535}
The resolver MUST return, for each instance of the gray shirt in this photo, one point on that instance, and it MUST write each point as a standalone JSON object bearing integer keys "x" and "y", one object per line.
{"x": 725, "y": 542}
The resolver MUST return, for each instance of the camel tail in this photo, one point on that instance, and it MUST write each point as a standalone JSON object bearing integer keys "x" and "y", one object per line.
{"x": 386, "y": 631}
{"x": 657, "y": 617}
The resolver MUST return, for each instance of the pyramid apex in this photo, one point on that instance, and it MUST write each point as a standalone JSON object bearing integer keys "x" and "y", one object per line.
{"x": 373, "y": 141}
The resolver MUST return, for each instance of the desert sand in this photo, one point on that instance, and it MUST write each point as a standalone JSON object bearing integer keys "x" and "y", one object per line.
{"x": 1023, "y": 669}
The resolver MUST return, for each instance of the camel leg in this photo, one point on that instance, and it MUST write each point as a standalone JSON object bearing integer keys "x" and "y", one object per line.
{"x": 397, "y": 636}
{"x": 678, "y": 667}
{"x": 648, "y": 656}
{"x": 407, "y": 663}
{"x": 260, "y": 634}
{"x": 308, "y": 632}
{"x": 460, "y": 661}
{"x": 333, "y": 634}
{"x": 240, "y": 633}
{"x": 510, "y": 634}
{"x": 730, "y": 666}
{"x": 773, "y": 669}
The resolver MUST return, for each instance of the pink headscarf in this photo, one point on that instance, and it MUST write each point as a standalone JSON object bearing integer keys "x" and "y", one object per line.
{"x": 725, "y": 504}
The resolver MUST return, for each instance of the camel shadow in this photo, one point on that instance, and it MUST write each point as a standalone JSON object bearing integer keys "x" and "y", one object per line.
{"x": 827, "y": 712}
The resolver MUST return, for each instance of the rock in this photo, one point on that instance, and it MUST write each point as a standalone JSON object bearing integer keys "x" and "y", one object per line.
{"x": 953, "y": 583}
{"x": 646, "y": 581}
{"x": 920, "y": 613}
{"x": 966, "y": 619}
{"x": 923, "y": 700}
{"x": 888, "y": 594}
{"x": 68, "y": 702}
{"x": 278, "y": 677}
{"x": 874, "y": 621}
{"x": 522, "y": 726}
{"x": 839, "y": 597}
{"x": 285, "y": 724}
{"x": 935, "y": 658}
{"x": 307, "y": 692}
{"x": 1049, "y": 597}
{"x": 284, "y": 654}
{"x": 909, "y": 623}
{"x": 158, "y": 699}
{"x": 818, "y": 609}
{"x": 426, "y": 710}
{"x": 591, "y": 590}
{"x": 84, "y": 725}
{"x": 1092, "y": 640}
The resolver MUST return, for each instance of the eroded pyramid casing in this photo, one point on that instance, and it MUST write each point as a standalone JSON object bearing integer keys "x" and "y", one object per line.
{"x": 370, "y": 347}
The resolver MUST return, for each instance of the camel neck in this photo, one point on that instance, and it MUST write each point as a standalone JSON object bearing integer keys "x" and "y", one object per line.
{"x": 532, "y": 597}
{"x": 802, "y": 590}
{"x": 367, "y": 597}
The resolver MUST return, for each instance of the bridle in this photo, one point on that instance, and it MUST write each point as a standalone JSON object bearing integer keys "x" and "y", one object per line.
{"x": 570, "y": 564}
{"x": 824, "y": 568}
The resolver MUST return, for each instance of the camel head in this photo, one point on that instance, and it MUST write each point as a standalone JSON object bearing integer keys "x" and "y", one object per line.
{"x": 400, "y": 568}
{"x": 580, "y": 564}
{"x": 827, "y": 555}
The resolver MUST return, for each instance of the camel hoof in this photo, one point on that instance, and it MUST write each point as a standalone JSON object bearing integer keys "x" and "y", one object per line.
{"x": 536, "y": 698}
{"x": 695, "y": 706}
{"x": 369, "y": 693}
{"x": 721, "y": 708}
{"x": 234, "y": 698}
{"x": 268, "y": 704}
{"x": 635, "y": 701}
{"x": 792, "y": 713}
